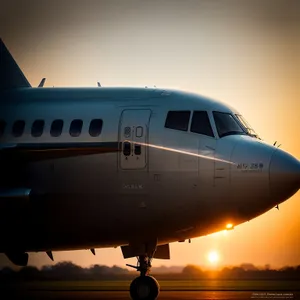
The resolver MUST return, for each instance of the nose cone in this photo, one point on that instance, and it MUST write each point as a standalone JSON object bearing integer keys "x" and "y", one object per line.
{"x": 284, "y": 175}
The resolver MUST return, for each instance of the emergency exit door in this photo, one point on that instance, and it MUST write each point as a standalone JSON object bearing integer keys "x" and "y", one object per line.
{"x": 133, "y": 137}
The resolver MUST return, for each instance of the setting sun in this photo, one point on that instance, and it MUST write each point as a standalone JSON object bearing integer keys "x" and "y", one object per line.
{"x": 213, "y": 257}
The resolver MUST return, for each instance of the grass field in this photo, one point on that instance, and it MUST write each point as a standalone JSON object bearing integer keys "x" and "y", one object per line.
{"x": 188, "y": 285}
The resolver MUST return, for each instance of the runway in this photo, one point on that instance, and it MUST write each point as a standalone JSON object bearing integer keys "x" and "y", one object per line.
{"x": 164, "y": 295}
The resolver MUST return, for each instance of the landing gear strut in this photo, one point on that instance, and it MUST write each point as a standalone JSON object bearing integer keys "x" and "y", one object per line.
{"x": 144, "y": 287}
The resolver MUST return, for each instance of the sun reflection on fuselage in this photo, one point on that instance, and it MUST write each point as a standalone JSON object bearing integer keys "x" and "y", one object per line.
{"x": 181, "y": 151}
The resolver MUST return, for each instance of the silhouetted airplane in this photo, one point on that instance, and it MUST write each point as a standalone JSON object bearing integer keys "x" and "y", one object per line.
{"x": 139, "y": 168}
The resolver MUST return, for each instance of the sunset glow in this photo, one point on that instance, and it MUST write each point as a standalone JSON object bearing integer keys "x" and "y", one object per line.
{"x": 243, "y": 53}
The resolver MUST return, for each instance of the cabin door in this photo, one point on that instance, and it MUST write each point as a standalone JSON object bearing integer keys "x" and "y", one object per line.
{"x": 133, "y": 139}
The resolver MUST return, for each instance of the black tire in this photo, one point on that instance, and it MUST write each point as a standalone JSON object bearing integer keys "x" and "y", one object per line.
{"x": 144, "y": 288}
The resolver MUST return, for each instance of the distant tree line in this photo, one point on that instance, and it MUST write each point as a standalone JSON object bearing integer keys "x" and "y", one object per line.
{"x": 65, "y": 271}
{"x": 70, "y": 271}
{"x": 244, "y": 271}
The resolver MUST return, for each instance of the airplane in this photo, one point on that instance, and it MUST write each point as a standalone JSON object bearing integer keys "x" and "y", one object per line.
{"x": 135, "y": 168}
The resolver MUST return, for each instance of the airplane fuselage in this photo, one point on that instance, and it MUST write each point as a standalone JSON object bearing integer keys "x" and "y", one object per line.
{"x": 128, "y": 175}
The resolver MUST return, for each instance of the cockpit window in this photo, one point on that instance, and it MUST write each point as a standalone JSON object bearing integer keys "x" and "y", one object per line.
{"x": 226, "y": 124}
{"x": 200, "y": 123}
{"x": 246, "y": 126}
{"x": 178, "y": 120}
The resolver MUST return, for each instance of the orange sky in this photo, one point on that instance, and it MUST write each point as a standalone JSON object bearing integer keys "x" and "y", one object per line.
{"x": 244, "y": 54}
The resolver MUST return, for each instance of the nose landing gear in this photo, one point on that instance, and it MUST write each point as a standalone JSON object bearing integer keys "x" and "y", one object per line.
{"x": 144, "y": 287}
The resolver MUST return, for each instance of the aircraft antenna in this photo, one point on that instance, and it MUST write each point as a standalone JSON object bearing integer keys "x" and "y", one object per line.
{"x": 42, "y": 83}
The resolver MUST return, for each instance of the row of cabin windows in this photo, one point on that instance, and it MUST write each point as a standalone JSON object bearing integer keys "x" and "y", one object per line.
{"x": 179, "y": 120}
{"x": 56, "y": 129}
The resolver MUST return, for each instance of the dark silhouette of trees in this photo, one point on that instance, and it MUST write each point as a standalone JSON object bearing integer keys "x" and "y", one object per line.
{"x": 29, "y": 272}
{"x": 69, "y": 271}
{"x": 248, "y": 267}
{"x": 192, "y": 271}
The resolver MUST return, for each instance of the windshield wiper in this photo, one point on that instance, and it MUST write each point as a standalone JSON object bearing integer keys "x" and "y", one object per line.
{"x": 233, "y": 132}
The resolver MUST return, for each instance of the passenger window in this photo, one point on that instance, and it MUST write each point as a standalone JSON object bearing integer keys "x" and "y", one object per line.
{"x": 95, "y": 127}
{"x": 126, "y": 148}
{"x": 200, "y": 123}
{"x": 137, "y": 149}
{"x": 178, "y": 120}
{"x": 2, "y": 127}
{"x": 37, "y": 128}
{"x": 18, "y": 128}
{"x": 56, "y": 128}
{"x": 127, "y": 132}
{"x": 76, "y": 127}
{"x": 139, "y": 131}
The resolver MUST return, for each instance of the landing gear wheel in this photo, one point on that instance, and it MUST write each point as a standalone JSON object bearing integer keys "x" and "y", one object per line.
{"x": 144, "y": 288}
